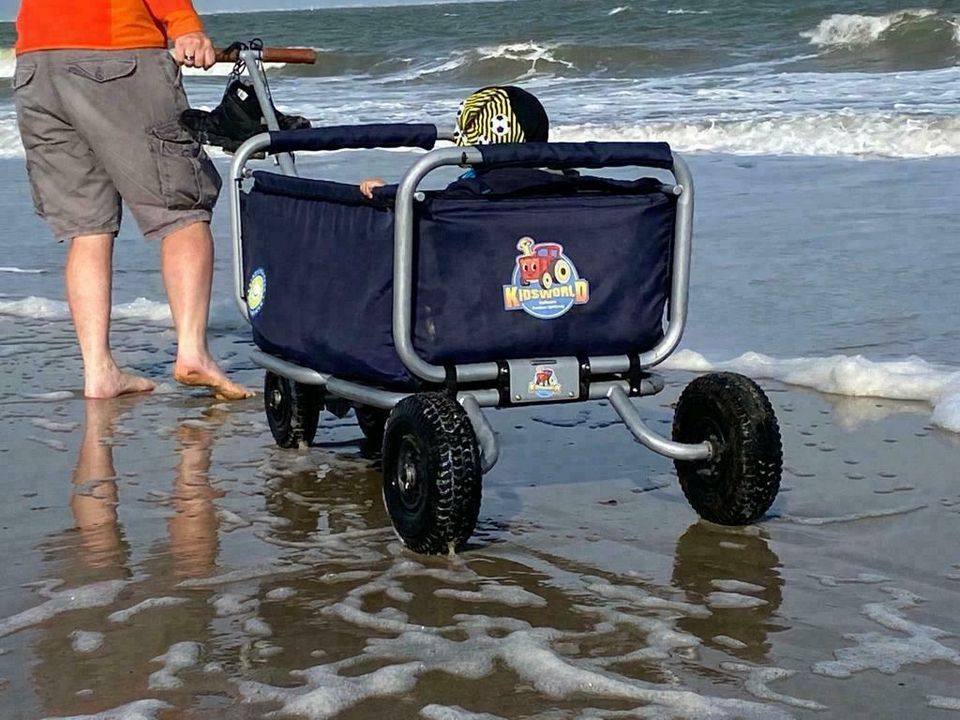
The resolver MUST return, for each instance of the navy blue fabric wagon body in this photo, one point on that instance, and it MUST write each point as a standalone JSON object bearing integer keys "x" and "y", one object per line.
{"x": 512, "y": 263}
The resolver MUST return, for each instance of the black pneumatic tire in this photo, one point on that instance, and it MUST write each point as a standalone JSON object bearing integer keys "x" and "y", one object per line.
{"x": 739, "y": 484}
{"x": 432, "y": 480}
{"x": 372, "y": 422}
{"x": 293, "y": 410}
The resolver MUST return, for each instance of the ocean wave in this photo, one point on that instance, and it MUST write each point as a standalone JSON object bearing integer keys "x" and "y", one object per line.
{"x": 512, "y": 62}
{"x": 815, "y": 134}
{"x": 905, "y": 40}
{"x": 618, "y": 10}
{"x": 8, "y": 62}
{"x": 21, "y": 271}
{"x": 41, "y": 308}
{"x": 824, "y": 134}
{"x": 853, "y": 376}
{"x": 918, "y": 26}
{"x": 845, "y": 30}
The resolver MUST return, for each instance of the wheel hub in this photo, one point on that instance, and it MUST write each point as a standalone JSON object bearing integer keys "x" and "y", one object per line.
{"x": 276, "y": 398}
{"x": 408, "y": 475}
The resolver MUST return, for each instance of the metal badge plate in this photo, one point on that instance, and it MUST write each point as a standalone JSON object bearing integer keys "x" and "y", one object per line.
{"x": 544, "y": 380}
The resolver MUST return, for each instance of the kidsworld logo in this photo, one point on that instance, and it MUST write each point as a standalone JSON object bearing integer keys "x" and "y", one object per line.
{"x": 545, "y": 282}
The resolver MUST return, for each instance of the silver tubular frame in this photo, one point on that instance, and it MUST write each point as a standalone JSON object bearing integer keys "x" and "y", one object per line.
{"x": 253, "y": 59}
{"x": 617, "y": 392}
{"x": 482, "y": 372}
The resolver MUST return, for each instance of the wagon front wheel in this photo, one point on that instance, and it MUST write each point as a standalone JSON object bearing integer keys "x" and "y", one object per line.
{"x": 293, "y": 410}
{"x": 432, "y": 480}
{"x": 740, "y": 482}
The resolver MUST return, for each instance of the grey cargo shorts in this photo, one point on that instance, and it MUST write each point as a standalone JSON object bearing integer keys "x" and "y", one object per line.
{"x": 101, "y": 125}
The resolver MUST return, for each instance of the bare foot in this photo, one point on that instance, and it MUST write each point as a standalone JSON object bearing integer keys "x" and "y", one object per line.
{"x": 114, "y": 383}
{"x": 211, "y": 376}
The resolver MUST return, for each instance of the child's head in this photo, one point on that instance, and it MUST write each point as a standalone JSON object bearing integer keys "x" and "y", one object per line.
{"x": 501, "y": 115}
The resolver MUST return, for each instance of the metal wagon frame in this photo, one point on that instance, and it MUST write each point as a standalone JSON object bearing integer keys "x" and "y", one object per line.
{"x": 614, "y": 378}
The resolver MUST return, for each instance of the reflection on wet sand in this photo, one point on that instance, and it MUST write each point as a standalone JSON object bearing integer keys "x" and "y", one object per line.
{"x": 734, "y": 571}
{"x": 339, "y": 615}
{"x": 94, "y": 499}
{"x": 114, "y": 651}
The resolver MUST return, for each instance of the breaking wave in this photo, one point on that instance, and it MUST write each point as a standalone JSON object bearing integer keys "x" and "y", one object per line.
{"x": 817, "y": 134}
{"x": 846, "y": 30}
{"x": 908, "y": 39}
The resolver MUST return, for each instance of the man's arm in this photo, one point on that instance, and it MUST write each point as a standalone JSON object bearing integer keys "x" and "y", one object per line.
{"x": 190, "y": 45}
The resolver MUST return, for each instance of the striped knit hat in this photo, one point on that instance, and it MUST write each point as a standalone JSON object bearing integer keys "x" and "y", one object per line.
{"x": 501, "y": 115}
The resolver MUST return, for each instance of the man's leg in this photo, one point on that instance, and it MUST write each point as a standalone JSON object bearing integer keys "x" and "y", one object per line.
{"x": 187, "y": 261}
{"x": 88, "y": 279}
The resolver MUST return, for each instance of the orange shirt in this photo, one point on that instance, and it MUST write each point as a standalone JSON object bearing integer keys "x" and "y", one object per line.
{"x": 103, "y": 24}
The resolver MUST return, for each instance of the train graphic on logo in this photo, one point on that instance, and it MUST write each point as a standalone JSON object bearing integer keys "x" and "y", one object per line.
{"x": 545, "y": 384}
{"x": 545, "y": 282}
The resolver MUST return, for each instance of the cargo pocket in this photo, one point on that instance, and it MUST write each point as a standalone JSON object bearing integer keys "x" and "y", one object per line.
{"x": 23, "y": 75}
{"x": 103, "y": 70}
{"x": 188, "y": 178}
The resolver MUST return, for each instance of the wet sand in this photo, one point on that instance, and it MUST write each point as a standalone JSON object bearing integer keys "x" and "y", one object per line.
{"x": 162, "y": 556}
{"x": 163, "y": 559}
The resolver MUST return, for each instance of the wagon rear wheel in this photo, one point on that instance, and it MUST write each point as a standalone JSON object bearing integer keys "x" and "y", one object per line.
{"x": 432, "y": 480}
{"x": 293, "y": 410}
{"x": 740, "y": 482}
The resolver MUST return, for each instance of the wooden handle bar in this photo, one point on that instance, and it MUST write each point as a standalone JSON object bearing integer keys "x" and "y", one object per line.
{"x": 301, "y": 56}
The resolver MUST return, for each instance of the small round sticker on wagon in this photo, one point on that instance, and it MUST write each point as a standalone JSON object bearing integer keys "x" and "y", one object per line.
{"x": 256, "y": 291}
{"x": 545, "y": 281}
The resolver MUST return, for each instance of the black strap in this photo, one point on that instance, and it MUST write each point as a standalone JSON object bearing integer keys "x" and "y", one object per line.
{"x": 450, "y": 381}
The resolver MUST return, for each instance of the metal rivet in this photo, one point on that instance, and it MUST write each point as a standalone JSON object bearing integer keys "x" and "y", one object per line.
{"x": 99, "y": 74}
{"x": 519, "y": 397}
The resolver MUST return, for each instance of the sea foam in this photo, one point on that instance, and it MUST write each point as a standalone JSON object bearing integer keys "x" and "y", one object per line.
{"x": 139, "y": 710}
{"x": 855, "y": 376}
{"x": 823, "y": 134}
{"x": 42, "y": 308}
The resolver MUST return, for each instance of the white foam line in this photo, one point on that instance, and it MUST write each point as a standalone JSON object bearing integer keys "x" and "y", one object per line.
{"x": 454, "y": 712}
{"x": 861, "y": 578}
{"x": 868, "y": 134}
{"x": 50, "y": 396}
{"x": 42, "y": 308}
{"x": 853, "y": 376}
{"x": 89, "y": 596}
{"x": 916, "y": 643}
{"x": 491, "y": 593}
{"x": 122, "y": 616}
{"x": 229, "y": 604}
{"x": 179, "y": 657}
{"x": 943, "y": 703}
{"x": 24, "y": 271}
{"x": 251, "y": 573}
{"x": 66, "y": 427}
{"x": 730, "y": 601}
{"x": 86, "y": 642}
{"x": 736, "y": 586}
{"x": 756, "y": 685}
{"x": 138, "y": 710}
{"x": 852, "y": 517}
